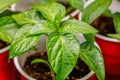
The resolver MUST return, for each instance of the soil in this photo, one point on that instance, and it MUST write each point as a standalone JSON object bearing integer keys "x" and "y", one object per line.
{"x": 41, "y": 71}
{"x": 3, "y": 44}
{"x": 104, "y": 25}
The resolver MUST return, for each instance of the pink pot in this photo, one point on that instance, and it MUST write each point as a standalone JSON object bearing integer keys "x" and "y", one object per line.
{"x": 111, "y": 53}
{"x": 7, "y": 70}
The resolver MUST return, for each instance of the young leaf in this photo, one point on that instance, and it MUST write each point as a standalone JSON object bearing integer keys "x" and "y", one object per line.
{"x": 53, "y": 12}
{"x": 63, "y": 52}
{"x": 91, "y": 55}
{"x": 116, "y": 36}
{"x": 8, "y": 28}
{"x": 42, "y": 26}
{"x": 6, "y": 3}
{"x": 94, "y": 10}
{"x": 29, "y": 16}
{"x": 78, "y": 4}
{"x": 20, "y": 46}
{"x": 116, "y": 18}
{"x": 38, "y": 60}
{"x": 76, "y": 27}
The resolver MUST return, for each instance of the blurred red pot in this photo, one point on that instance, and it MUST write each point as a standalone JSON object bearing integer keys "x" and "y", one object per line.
{"x": 7, "y": 69}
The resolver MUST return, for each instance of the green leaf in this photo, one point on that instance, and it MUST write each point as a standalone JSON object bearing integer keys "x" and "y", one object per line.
{"x": 116, "y": 36}
{"x": 94, "y": 10}
{"x": 6, "y": 3}
{"x": 29, "y": 16}
{"x": 63, "y": 52}
{"x": 53, "y": 11}
{"x": 76, "y": 27}
{"x": 8, "y": 28}
{"x": 20, "y": 46}
{"x": 4, "y": 37}
{"x": 42, "y": 26}
{"x": 108, "y": 13}
{"x": 116, "y": 18}
{"x": 6, "y": 20}
{"x": 78, "y": 4}
{"x": 90, "y": 37}
{"x": 91, "y": 55}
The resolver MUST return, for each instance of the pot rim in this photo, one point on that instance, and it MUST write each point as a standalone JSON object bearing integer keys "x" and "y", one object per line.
{"x": 4, "y": 49}
{"x": 30, "y": 78}
{"x": 106, "y": 38}
{"x": 20, "y": 69}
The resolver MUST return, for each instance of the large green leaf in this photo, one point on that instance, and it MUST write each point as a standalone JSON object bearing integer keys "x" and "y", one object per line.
{"x": 63, "y": 52}
{"x": 94, "y": 10}
{"x": 116, "y": 18}
{"x": 29, "y": 16}
{"x": 53, "y": 11}
{"x": 6, "y": 3}
{"x": 76, "y": 27}
{"x": 8, "y": 28}
{"x": 78, "y": 4}
{"x": 91, "y": 55}
{"x": 42, "y": 26}
{"x": 22, "y": 45}
{"x": 116, "y": 36}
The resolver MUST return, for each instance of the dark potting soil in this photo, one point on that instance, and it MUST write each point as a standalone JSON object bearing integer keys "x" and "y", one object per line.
{"x": 3, "y": 44}
{"x": 41, "y": 71}
{"x": 104, "y": 25}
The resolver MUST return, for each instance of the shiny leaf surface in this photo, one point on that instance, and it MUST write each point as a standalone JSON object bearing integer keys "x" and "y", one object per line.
{"x": 91, "y": 55}
{"x": 63, "y": 52}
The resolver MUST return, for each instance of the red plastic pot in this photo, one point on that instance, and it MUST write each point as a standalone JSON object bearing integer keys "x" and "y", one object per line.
{"x": 7, "y": 70}
{"x": 111, "y": 52}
